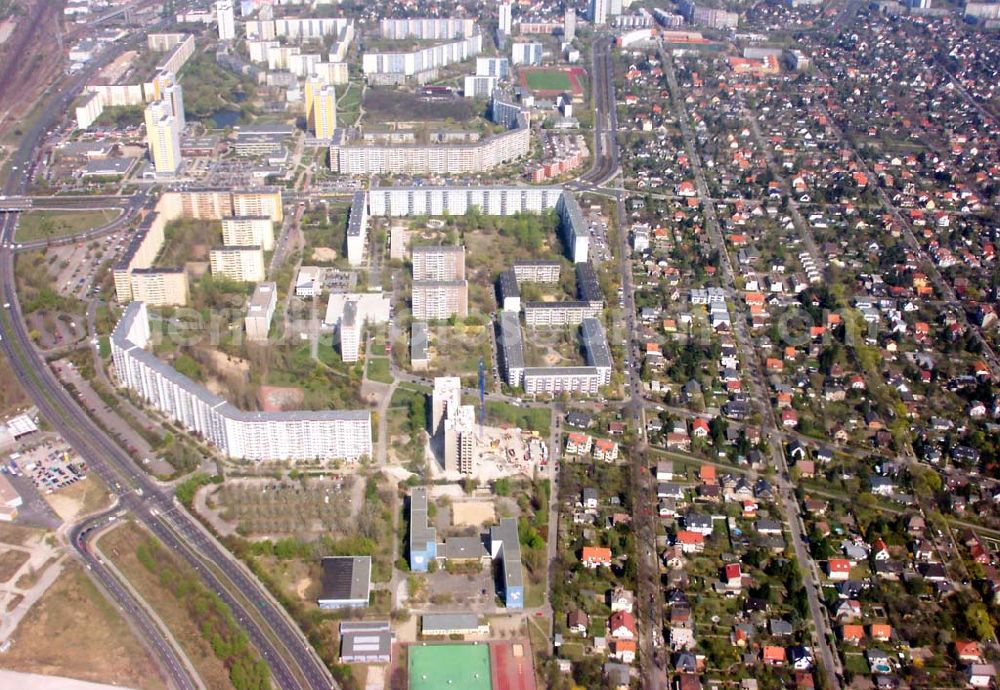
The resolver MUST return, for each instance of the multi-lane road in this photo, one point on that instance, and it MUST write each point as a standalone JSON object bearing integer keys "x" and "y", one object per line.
{"x": 758, "y": 384}
{"x": 605, "y": 168}
{"x": 292, "y": 661}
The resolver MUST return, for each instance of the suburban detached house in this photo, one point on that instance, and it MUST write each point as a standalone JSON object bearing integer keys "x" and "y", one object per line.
{"x": 852, "y": 633}
{"x": 801, "y": 657}
{"x": 981, "y": 675}
{"x": 968, "y": 651}
{"x": 624, "y": 650}
{"x": 664, "y": 471}
{"x": 621, "y": 626}
{"x": 773, "y": 655}
{"x": 578, "y": 622}
{"x": 702, "y": 524}
{"x": 621, "y": 599}
{"x": 882, "y": 486}
{"x": 691, "y": 542}
{"x": 838, "y": 568}
{"x": 881, "y": 632}
{"x": 594, "y": 556}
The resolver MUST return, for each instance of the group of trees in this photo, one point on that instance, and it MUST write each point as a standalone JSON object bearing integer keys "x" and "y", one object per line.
{"x": 207, "y": 86}
{"x": 247, "y": 671}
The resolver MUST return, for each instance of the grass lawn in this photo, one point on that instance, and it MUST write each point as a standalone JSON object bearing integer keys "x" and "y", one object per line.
{"x": 572, "y": 651}
{"x": 43, "y": 225}
{"x": 529, "y": 418}
{"x": 348, "y": 104}
{"x": 855, "y": 663}
{"x": 378, "y": 369}
{"x": 74, "y": 631}
{"x": 548, "y": 80}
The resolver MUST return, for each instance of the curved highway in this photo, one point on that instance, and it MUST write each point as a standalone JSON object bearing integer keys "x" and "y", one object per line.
{"x": 292, "y": 661}
{"x": 148, "y": 630}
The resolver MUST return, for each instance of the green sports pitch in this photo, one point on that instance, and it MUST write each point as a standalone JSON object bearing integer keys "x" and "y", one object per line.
{"x": 548, "y": 80}
{"x": 444, "y": 666}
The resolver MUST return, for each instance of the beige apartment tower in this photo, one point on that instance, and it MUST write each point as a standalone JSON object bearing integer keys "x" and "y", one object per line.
{"x": 159, "y": 286}
{"x": 440, "y": 299}
{"x": 163, "y": 136}
{"x": 460, "y": 440}
{"x": 260, "y": 311}
{"x": 325, "y": 112}
{"x": 243, "y": 264}
{"x": 436, "y": 262}
{"x": 247, "y": 231}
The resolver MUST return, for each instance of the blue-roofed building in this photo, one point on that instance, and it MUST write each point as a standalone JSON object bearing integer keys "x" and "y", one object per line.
{"x": 505, "y": 546}
{"x": 423, "y": 537}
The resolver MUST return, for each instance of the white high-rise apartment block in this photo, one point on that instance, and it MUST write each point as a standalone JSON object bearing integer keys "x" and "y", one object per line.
{"x": 599, "y": 12}
{"x": 423, "y": 59}
{"x": 427, "y": 28}
{"x": 440, "y": 299}
{"x": 569, "y": 25}
{"x": 163, "y": 136}
{"x": 257, "y": 436}
{"x": 357, "y": 229}
{"x": 325, "y": 112}
{"x": 453, "y": 425}
{"x": 478, "y": 87}
{"x": 167, "y": 88}
{"x": 260, "y": 311}
{"x": 245, "y": 231}
{"x": 350, "y": 332}
{"x": 526, "y": 53}
{"x": 447, "y": 396}
{"x": 506, "y": 18}
{"x": 492, "y": 67}
{"x": 227, "y": 20}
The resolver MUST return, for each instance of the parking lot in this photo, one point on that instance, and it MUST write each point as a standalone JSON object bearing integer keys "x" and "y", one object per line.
{"x": 50, "y": 466}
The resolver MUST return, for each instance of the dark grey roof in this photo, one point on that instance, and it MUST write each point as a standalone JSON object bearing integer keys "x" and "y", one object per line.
{"x": 510, "y": 552}
{"x": 462, "y": 548}
{"x": 587, "y": 285}
{"x": 358, "y": 215}
{"x": 595, "y": 344}
{"x": 276, "y": 128}
{"x": 421, "y": 534}
{"x": 367, "y": 639}
{"x": 565, "y": 304}
{"x": 448, "y": 621}
{"x": 560, "y": 371}
{"x": 508, "y": 285}
{"x": 345, "y": 578}
{"x": 511, "y": 342}
{"x": 418, "y": 340}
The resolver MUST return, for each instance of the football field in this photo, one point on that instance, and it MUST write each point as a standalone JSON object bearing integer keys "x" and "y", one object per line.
{"x": 444, "y": 666}
{"x": 548, "y": 80}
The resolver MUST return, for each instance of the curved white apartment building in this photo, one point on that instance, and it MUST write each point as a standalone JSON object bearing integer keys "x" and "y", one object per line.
{"x": 258, "y": 436}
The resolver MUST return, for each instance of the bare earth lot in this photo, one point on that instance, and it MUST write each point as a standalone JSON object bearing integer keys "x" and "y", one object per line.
{"x": 74, "y": 631}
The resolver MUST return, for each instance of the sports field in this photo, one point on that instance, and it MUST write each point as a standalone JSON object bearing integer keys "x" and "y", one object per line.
{"x": 550, "y": 81}
{"x": 445, "y": 666}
